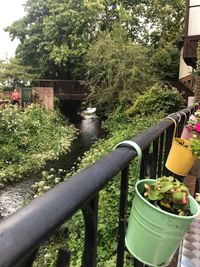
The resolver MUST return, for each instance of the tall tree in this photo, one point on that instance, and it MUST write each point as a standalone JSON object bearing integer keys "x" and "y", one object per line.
{"x": 13, "y": 73}
{"x": 56, "y": 34}
{"x": 118, "y": 70}
{"x": 163, "y": 23}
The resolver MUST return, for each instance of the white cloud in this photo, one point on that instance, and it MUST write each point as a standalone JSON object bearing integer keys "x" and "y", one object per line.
{"x": 10, "y": 10}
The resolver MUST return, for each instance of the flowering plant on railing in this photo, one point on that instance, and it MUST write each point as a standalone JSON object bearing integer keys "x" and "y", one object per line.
{"x": 197, "y": 127}
{"x": 195, "y": 141}
{"x": 190, "y": 125}
{"x": 193, "y": 123}
{"x": 168, "y": 194}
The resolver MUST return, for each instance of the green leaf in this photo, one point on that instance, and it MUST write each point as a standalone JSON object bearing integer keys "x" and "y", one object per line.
{"x": 154, "y": 195}
{"x": 177, "y": 197}
{"x": 166, "y": 186}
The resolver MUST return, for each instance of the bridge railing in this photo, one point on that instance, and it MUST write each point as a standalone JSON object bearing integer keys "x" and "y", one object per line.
{"x": 22, "y": 233}
{"x": 66, "y": 89}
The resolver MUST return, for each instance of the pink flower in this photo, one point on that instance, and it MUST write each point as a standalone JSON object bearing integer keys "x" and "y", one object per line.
{"x": 189, "y": 127}
{"x": 197, "y": 128}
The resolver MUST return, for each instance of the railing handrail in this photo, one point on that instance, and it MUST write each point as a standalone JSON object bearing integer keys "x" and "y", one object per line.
{"x": 44, "y": 215}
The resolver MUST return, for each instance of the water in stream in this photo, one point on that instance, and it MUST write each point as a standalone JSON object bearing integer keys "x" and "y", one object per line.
{"x": 12, "y": 197}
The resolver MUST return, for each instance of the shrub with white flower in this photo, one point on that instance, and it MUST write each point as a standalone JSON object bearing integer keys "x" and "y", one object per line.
{"x": 29, "y": 138}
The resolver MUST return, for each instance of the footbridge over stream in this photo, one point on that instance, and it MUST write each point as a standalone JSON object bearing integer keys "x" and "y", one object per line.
{"x": 66, "y": 89}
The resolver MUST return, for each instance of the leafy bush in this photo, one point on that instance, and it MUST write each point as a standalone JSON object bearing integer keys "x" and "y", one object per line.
{"x": 117, "y": 70}
{"x": 56, "y": 101}
{"x": 29, "y": 138}
{"x": 198, "y": 60}
{"x": 157, "y": 98}
{"x": 195, "y": 146}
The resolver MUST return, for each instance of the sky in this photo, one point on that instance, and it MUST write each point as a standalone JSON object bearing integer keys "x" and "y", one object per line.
{"x": 10, "y": 10}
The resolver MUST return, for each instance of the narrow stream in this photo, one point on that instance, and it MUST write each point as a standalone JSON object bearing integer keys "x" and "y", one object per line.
{"x": 13, "y": 196}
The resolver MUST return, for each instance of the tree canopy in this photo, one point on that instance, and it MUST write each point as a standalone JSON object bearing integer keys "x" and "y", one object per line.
{"x": 118, "y": 70}
{"x": 56, "y": 34}
{"x": 13, "y": 73}
{"x": 119, "y": 47}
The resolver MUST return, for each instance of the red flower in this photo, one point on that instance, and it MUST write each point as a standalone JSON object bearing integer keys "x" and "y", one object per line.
{"x": 184, "y": 200}
{"x": 189, "y": 127}
{"x": 197, "y": 128}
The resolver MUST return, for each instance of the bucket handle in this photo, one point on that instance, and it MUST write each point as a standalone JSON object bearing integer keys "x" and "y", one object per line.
{"x": 136, "y": 147}
{"x": 179, "y": 117}
{"x": 184, "y": 116}
{"x": 175, "y": 125}
{"x": 189, "y": 112}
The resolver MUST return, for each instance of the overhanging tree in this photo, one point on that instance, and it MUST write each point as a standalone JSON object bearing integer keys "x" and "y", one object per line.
{"x": 118, "y": 70}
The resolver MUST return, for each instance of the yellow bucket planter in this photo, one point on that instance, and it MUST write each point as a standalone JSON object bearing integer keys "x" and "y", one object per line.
{"x": 180, "y": 159}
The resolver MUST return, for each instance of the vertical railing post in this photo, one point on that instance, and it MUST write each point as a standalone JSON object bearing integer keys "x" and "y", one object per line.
{"x": 138, "y": 263}
{"x": 154, "y": 164}
{"x": 168, "y": 142}
{"x": 90, "y": 213}
{"x": 122, "y": 217}
{"x": 161, "y": 152}
{"x": 63, "y": 259}
{"x": 144, "y": 163}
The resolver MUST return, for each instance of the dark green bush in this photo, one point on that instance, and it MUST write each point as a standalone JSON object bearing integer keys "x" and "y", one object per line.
{"x": 157, "y": 99}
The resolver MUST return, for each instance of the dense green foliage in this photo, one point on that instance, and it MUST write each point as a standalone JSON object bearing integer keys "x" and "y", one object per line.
{"x": 166, "y": 23}
{"x": 14, "y": 74}
{"x": 55, "y": 35}
{"x": 165, "y": 61}
{"x": 195, "y": 146}
{"x": 117, "y": 70}
{"x": 117, "y": 46}
{"x": 71, "y": 235}
{"x": 29, "y": 138}
{"x": 158, "y": 98}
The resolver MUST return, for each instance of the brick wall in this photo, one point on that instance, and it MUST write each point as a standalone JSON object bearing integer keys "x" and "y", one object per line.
{"x": 44, "y": 95}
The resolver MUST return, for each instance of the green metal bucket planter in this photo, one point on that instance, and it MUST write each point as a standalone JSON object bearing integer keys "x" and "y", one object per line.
{"x": 153, "y": 235}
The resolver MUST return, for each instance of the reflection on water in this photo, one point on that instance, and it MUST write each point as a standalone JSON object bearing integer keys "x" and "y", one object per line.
{"x": 12, "y": 197}
{"x": 90, "y": 130}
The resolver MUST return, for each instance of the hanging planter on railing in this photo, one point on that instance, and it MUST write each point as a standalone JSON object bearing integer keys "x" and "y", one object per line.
{"x": 191, "y": 127}
{"x": 154, "y": 235}
{"x": 180, "y": 159}
{"x": 160, "y": 216}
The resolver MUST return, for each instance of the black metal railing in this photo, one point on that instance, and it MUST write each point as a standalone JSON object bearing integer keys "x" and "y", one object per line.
{"x": 22, "y": 233}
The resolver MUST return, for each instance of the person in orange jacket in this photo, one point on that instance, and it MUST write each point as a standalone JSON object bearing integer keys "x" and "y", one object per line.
{"x": 15, "y": 97}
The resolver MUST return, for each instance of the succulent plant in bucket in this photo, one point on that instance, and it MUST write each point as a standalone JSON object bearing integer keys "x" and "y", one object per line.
{"x": 161, "y": 213}
{"x": 168, "y": 194}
